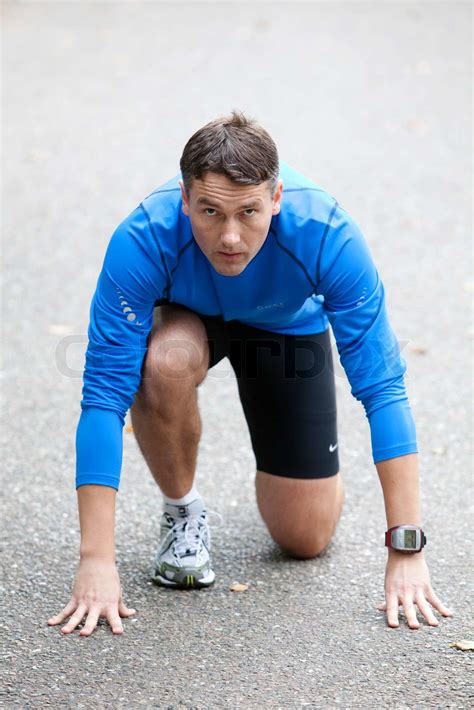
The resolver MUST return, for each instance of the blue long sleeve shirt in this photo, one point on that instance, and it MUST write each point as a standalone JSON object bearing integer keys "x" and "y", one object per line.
{"x": 314, "y": 269}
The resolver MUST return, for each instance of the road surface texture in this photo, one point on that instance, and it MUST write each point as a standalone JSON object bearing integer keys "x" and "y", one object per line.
{"x": 371, "y": 100}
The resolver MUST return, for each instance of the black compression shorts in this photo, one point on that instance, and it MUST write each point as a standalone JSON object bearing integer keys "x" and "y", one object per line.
{"x": 287, "y": 390}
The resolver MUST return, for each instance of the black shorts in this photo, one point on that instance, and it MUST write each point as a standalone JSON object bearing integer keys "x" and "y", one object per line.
{"x": 287, "y": 390}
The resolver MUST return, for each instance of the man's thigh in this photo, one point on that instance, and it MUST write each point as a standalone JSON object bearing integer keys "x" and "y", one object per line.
{"x": 287, "y": 389}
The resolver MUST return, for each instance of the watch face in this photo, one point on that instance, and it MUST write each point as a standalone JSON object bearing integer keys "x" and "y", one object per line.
{"x": 410, "y": 540}
{"x": 406, "y": 540}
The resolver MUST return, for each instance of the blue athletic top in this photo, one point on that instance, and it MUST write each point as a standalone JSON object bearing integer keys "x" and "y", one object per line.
{"x": 314, "y": 269}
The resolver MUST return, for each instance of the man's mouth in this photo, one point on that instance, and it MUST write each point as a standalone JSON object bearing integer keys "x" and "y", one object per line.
{"x": 230, "y": 255}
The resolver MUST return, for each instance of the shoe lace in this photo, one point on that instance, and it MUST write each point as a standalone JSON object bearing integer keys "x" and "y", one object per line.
{"x": 188, "y": 533}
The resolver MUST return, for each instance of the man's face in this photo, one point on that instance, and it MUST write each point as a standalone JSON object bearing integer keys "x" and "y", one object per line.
{"x": 230, "y": 221}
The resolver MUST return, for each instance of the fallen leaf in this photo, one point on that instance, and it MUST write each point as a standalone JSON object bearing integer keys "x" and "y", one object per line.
{"x": 463, "y": 645}
{"x": 416, "y": 125}
{"x": 263, "y": 24}
{"x": 129, "y": 428}
{"x": 237, "y": 587}
{"x": 419, "y": 349}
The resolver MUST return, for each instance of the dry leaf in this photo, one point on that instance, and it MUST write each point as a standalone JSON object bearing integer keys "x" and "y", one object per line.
{"x": 418, "y": 349}
{"x": 237, "y": 587}
{"x": 129, "y": 428}
{"x": 263, "y": 24}
{"x": 463, "y": 645}
{"x": 416, "y": 125}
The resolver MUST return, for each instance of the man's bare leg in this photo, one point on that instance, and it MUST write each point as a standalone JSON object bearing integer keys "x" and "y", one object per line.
{"x": 165, "y": 414}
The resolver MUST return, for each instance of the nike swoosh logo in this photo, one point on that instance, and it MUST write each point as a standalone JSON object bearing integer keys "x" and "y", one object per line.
{"x": 332, "y": 448}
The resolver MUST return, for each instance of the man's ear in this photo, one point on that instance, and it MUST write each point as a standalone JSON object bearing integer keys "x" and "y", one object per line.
{"x": 184, "y": 198}
{"x": 277, "y": 197}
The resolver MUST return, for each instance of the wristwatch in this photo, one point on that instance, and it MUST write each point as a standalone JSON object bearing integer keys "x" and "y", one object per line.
{"x": 405, "y": 538}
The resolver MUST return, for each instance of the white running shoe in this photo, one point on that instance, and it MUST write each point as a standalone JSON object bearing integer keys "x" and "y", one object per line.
{"x": 183, "y": 558}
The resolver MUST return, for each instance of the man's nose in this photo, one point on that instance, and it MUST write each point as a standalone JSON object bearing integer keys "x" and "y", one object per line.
{"x": 230, "y": 236}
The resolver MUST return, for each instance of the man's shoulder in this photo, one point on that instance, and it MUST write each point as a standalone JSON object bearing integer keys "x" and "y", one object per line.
{"x": 153, "y": 224}
{"x": 303, "y": 199}
{"x": 168, "y": 188}
{"x": 167, "y": 193}
{"x": 164, "y": 203}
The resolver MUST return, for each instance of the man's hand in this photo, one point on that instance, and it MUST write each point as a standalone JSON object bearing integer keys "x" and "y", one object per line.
{"x": 407, "y": 582}
{"x": 96, "y": 592}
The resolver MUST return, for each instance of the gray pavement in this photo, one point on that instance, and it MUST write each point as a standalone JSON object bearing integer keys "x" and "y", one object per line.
{"x": 373, "y": 102}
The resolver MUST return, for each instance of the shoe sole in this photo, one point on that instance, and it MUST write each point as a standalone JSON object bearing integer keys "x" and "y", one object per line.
{"x": 188, "y": 582}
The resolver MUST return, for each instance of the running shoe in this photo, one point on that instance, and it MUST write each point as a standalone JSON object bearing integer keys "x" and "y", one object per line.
{"x": 183, "y": 558}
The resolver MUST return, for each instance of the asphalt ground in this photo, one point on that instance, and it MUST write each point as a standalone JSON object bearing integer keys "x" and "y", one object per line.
{"x": 371, "y": 100}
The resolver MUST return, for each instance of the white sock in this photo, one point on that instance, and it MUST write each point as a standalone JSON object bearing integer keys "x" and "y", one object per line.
{"x": 185, "y": 500}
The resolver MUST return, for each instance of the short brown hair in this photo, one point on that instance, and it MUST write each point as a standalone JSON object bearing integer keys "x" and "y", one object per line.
{"x": 235, "y": 146}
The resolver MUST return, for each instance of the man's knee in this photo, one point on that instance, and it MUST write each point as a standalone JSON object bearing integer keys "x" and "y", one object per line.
{"x": 306, "y": 545}
{"x": 174, "y": 357}
{"x": 170, "y": 367}
{"x": 301, "y": 515}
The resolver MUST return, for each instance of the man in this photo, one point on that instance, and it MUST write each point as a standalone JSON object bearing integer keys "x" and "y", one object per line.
{"x": 241, "y": 256}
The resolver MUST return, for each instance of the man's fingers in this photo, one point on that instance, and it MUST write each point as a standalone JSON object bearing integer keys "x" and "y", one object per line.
{"x": 67, "y": 611}
{"x": 91, "y": 622}
{"x": 114, "y": 620}
{"x": 391, "y": 607}
{"x": 93, "y": 615}
{"x": 425, "y": 609}
{"x": 125, "y": 611}
{"x": 437, "y": 604}
{"x": 75, "y": 619}
{"x": 410, "y": 613}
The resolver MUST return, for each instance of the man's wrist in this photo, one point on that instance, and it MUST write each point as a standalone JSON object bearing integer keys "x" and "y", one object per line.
{"x": 94, "y": 554}
{"x": 399, "y": 554}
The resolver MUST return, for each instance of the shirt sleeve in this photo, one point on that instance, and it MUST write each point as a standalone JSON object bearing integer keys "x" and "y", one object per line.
{"x": 132, "y": 278}
{"x": 354, "y": 301}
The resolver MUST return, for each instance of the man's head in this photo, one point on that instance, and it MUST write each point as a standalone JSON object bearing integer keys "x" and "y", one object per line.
{"x": 230, "y": 190}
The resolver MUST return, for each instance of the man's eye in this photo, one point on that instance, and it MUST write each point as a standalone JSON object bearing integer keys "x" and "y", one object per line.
{"x": 250, "y": 209}
{"x": 209, "y": 209}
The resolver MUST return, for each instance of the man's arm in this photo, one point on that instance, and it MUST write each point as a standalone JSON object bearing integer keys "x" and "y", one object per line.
{"x": 354, "y": 301}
